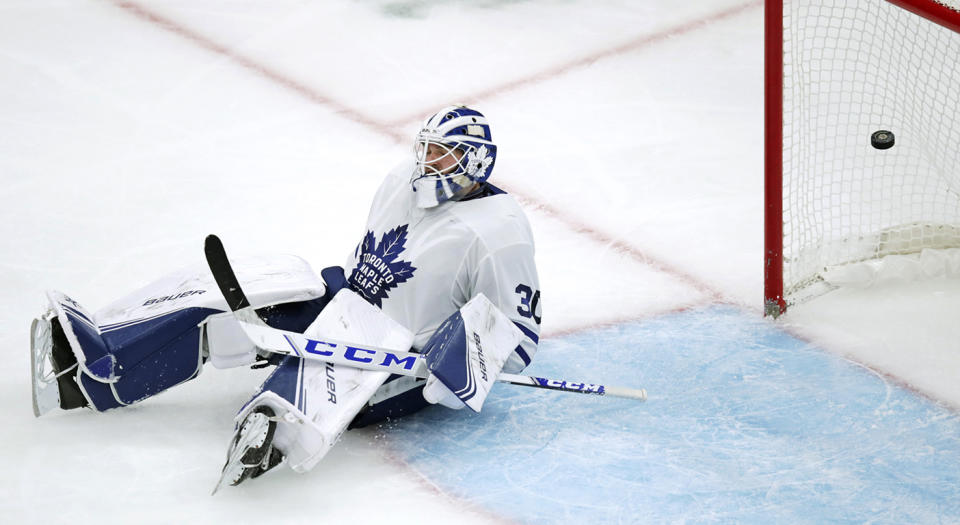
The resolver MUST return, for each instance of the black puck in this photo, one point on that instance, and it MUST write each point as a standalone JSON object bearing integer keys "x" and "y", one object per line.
{"x": 882, "y": 139}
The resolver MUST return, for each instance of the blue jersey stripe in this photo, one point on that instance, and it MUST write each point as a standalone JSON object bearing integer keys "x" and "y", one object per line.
{"x": 528, "y": 332}
{"x": 523, "y": 355}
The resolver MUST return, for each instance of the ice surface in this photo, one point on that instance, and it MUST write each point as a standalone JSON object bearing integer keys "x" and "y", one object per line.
{"x": 632, "y": 133}
{"x": 744, "y": 424}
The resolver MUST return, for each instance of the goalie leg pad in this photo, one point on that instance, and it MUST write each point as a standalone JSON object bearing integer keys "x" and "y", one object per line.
{"x": 149, "y": 340}
{"x": 116, "y": 365}
{"x": 316, "y": 401}
{"x": 76, "y": 342}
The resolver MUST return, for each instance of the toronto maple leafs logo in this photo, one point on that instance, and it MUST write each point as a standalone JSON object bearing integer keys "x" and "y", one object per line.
{"x": 478, "y": 161}
{"x": 378, "y": 271}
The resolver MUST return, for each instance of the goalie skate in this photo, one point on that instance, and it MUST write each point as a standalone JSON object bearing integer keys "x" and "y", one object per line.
{"x": 52, "y": 366}
{"x": 46, "y": 394}
{"x": 251, "y": 452}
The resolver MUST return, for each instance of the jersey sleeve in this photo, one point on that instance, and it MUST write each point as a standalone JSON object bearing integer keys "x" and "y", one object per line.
{"x": 508, "y": 278}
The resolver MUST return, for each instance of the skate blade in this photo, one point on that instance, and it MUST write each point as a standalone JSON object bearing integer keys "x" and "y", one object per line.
{"x": 227, "y": 474}
{"x": 46, "y": 392}
{"x": 234, "y": 464}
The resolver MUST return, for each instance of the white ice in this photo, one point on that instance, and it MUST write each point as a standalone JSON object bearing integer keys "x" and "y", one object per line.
{"x": 632, "y": 132}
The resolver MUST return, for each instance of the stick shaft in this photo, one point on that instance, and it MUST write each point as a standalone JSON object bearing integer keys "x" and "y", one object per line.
{"x": 574, "y": 386}
{"x": 397, "y": 362}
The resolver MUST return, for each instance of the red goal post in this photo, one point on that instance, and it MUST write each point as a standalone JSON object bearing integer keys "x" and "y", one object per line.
{"x": 836, "y": 72}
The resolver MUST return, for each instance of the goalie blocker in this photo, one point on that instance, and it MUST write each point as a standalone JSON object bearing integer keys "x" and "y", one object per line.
{"x": 466, "y": 354}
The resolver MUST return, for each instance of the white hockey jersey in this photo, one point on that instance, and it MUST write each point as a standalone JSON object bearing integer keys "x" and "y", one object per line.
{"x": 421, "y": 265}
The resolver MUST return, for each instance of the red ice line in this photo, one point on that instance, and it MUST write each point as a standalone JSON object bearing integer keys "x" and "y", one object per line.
{"x": 307, "y": 92}
{"x": 390, "y": 129}
{"x": 561, "y": 69}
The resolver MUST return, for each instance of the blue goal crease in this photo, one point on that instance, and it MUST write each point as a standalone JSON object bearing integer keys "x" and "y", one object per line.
{"x": 744, "y": 423}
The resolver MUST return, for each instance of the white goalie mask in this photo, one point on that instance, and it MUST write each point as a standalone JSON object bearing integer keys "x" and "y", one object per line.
{"x": 454, "y": 150}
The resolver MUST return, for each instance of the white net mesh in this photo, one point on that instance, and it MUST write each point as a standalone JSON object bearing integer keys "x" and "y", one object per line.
{"x": 852, "y": 68}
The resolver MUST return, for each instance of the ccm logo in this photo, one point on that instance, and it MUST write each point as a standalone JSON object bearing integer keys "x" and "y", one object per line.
{"x": 564, "y": 385}
{"x": 360, "y": 355}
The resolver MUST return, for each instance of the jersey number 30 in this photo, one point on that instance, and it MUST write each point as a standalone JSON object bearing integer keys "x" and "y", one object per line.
{"x": 529, "y": 299}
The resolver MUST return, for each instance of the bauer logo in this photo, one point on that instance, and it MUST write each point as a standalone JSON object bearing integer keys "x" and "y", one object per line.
{"x": 483, "y": 363}
{"x": 331, "y": 385}
{"x": 71, "y": 301}
{"x": 165, "y": 298}
{"x": 379, "y": 269}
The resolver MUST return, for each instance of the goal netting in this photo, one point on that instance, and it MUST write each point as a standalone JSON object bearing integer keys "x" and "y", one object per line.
{"x": 851, "y": 68}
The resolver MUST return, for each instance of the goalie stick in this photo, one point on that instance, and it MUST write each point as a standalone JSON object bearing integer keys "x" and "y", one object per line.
{"x": 358, "y": 356}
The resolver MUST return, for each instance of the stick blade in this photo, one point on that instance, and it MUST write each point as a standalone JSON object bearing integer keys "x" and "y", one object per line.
{"x": 223, "y": 273}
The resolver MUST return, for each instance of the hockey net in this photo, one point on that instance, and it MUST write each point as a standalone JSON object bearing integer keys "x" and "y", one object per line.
{"x": 837, "y": 71}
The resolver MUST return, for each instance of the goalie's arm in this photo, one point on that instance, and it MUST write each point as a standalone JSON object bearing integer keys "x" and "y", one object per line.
{"x": 508, "y": 278}
{"x": 470, "y": 349}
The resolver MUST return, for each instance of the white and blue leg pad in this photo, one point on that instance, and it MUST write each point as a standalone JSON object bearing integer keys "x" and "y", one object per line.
{"x": 465, "y": 355}
{"x": 317, "y": 400}
{"x": 125, "y": 362}
{"x": 95, "y": 372}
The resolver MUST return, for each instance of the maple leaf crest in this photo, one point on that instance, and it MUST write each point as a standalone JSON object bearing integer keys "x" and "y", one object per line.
{"x": 478, "y": 161}
{"x": 379, "y": 269}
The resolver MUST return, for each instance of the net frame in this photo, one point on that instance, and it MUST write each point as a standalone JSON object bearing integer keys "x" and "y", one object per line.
{"x": 847, "y": 69}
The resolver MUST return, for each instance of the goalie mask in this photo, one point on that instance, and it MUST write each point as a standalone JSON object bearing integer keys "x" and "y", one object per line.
{"x": 454, "y": 151}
